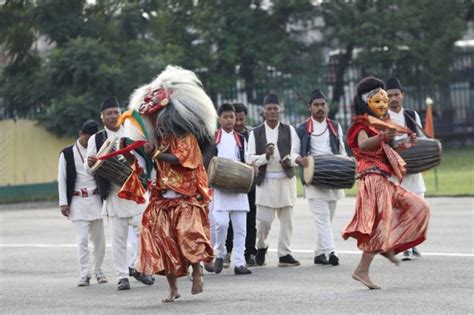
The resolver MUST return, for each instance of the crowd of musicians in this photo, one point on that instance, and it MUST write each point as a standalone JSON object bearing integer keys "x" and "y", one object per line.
{"x": 177, "y": 225}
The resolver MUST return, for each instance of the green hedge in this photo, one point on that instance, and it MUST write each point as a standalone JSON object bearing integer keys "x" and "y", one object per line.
{"x": 25, "y": 193}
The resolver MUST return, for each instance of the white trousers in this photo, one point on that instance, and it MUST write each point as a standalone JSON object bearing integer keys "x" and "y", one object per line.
{"x": 239, "y": 226}
{"x": 133, "y": 240}
{"x": 265, "y": 217}
{"x": 96, "y": 231}
{"x": 323, "y": 214}
{"x": 119, "y": 230}
{"x": 212, "y": 225}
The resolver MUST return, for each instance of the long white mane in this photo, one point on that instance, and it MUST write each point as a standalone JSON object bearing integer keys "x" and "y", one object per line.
{"x": 190, "y": 109}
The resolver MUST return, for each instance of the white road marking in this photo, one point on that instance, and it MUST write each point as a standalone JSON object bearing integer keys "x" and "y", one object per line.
{"x": 300, "y": 251}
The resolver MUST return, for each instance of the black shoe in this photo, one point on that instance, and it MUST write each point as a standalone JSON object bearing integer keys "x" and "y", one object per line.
{"x": 209, "y": 266}
{"x": 407, "y": 255}
{"x": 333, "y": 259}
{"x": 415, "y": 252}
{"x": 321, "y": 260}
{"x": 218, "y": 265}
{"x": 250, "y": 261}
{"x": 123, "y": 284}
{"x": 132, "y": 272}
{"x": 288, "y": 261}
{"x": 260, "y": 257}
{"x": 242, "y": 270}
{"x": 147, "y": 279}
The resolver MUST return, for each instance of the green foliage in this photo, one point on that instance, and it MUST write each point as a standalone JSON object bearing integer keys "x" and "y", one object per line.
{"x": 110, "y": 47}
{"x": 65, "y": 115}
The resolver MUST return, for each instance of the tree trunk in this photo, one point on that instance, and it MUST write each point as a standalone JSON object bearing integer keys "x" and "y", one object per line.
{"x": 338, "y": 90}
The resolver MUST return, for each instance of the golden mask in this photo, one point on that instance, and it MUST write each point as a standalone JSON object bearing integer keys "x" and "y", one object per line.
{"x": 378, "y": 103}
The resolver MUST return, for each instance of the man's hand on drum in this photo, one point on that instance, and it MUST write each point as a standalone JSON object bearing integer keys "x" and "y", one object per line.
{"x": 91, "y": 160}
{"x": 302, "y": 161}
{"x": 127, "y": 155}
{"x": 286, "y": 162}
{"x": 269, "y": 151}
{"x": 255, "y": 167}
{"x": 149, "y": 148}
{"x": 65, "y": 211}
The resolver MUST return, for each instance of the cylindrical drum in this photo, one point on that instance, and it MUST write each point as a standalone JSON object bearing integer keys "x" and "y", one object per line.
{"x": 330, "y": 171}
{"x": 115, "y": 169}
{"x": 230, "y": 175}
{"x": 424, "y": 155}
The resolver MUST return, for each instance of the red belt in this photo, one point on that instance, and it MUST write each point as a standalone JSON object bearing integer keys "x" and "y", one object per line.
{"x": 85, "y": 193}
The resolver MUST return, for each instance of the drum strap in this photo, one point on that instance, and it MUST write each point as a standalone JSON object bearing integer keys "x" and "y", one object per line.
{"x": 415, "y": 123}
{"x": 102, "y": 184}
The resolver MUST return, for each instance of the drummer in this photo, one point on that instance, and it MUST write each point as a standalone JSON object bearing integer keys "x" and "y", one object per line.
{"x": 229, "y": 205}
{"x": 410, "y": 119}
{"x": 120, "y": 212}
{"x": 321, "y": 135}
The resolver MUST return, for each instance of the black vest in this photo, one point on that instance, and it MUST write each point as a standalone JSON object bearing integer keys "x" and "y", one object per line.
{"x": 283, "y": 144}
{"x": 103, "y": 185}
{"x": 70, "y": 172}
{"x": 305, "y": 138}
{"x": 411, "y": 122}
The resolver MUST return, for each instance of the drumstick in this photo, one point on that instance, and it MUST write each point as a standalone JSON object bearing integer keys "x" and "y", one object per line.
{"x": 380, "y": 124}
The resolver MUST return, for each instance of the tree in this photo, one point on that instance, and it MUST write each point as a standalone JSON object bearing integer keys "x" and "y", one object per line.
{"x": 411, "y": 39}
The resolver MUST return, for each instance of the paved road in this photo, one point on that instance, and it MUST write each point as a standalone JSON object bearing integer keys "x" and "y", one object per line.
{"x": 39, "y": 271}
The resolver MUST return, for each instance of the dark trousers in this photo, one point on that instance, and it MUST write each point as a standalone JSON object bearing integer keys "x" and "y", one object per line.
{"x": 251, "y": 236}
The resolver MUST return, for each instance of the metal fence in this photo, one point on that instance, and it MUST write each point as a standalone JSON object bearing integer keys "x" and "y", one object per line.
{"x": 453, "y": 106}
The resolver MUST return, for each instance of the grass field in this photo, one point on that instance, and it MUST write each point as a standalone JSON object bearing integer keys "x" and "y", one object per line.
{"x": 455, "y": 175}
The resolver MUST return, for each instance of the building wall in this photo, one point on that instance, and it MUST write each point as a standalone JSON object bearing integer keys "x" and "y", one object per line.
{"x": 28, "y": 153}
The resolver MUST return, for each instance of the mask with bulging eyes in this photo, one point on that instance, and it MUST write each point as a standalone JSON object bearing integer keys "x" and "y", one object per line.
{"x": 155, "y": 101}
{"x": 378, "y": 103}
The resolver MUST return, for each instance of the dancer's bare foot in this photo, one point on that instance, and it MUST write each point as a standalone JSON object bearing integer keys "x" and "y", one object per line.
{"x": 365, "y": 280}
{"x": 172, "y": 296}
{"x": 198, "y": 283}
{"x": 390, "y": 255}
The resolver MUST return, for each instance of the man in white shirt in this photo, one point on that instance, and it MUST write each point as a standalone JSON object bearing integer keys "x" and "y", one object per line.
{"x": 320, "y": 135}
{"x": 121, "y": 213}
{"x": 410, "y": 119}
{"x": 273, "y": 147}
{"x": 79, "y": 202}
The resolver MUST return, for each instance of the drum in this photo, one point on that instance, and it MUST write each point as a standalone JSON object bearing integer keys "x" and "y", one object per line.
{"x": 115, "y": 169}
{"x": 229, "y": 175}
{"x": 424, "y": 155}
{"x": 330, "y": 171}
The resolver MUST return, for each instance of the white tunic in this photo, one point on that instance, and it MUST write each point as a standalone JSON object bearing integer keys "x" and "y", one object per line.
{"x": 81, "y": 208}
{"x": 320, "y": 144}
{"x": 412, "y": 182}
{"x": 114, "y": 206}
{"x": 277, "y": 190}
{"x": 222, "y": 200}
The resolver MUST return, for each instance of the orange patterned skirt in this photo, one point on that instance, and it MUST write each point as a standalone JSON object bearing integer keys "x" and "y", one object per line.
{"x": 174, "y": 234}
{"x": 387, "y": 216}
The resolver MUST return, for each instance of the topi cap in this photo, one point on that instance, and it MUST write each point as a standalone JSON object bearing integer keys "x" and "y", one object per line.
{"x": 317, "y": 93}
{"x": 90, "y": 127}
{"x": 393, "y": 83}
{"x": 271, "y": 98}
{"x": 109, "y": 102}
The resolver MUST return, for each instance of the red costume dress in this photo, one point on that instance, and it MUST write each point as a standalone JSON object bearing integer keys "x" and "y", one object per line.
{"x": 387, "y": 216}
{"x": 175, "y": 232}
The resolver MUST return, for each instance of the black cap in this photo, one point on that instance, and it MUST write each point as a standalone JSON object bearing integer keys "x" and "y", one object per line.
{"x": 109, "y": 102}
{"x": 393, "y": 83}
{"x": 271, "y": 98}
{"x": 317, "y": 93}
{"x": 90, "y": 127}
